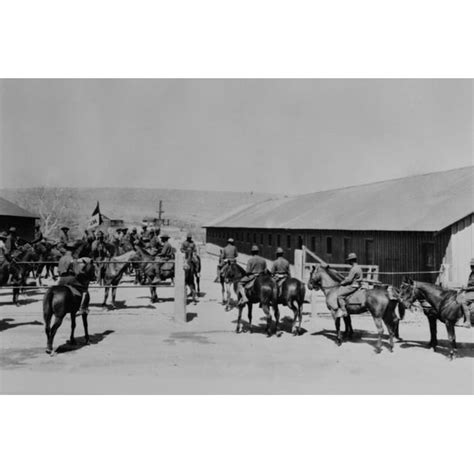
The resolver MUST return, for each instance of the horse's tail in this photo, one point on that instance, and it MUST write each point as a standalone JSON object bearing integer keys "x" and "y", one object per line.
{"x": 48, "y": 306}
{"x": 400, "y": 309}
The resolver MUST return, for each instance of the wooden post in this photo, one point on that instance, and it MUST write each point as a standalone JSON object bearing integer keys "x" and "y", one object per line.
{"x": 299, "y": 266}
{"x": 179, "y": 288}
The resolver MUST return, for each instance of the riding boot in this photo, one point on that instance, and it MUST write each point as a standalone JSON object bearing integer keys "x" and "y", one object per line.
{"x": 243, "y": 296}
{"x": 467, "y": 315}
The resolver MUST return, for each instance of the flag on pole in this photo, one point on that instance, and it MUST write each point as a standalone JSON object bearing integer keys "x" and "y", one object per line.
{"x": 96, "y": 218}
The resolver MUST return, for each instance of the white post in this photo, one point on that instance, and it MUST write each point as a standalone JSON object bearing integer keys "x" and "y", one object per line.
{"x": 179, "y": 288}
{"x": 299, "y": 267}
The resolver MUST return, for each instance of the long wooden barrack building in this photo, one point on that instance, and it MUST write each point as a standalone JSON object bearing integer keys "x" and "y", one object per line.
{"x": 12, "y": 215}
{"x": 421, "y": 223}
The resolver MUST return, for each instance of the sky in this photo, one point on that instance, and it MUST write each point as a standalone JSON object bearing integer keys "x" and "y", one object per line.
{"x": 264, "y": 135}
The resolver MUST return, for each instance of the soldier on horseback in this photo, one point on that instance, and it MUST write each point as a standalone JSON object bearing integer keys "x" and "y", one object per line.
{"x": 280, "y": 268}
{"x": 228, "y": 254}
{"x": 3, "y": 251}
{"x": 63, "y": 239}
{"x": 10, "y": 242}
{"x": 188, "y": 247}
{"x": 67, "y": 277}
{"x": 350, "y": 284}
{"x": 255, "y": 266}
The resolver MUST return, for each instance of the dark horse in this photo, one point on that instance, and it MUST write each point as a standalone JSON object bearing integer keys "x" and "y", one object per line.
{"x": 443, "y": 306}
{"x": 265, "y": 292}
{"x": 291, "y": 294}
{"x": 376, "y": 301}
{"x": 192, "y": 269}
{"x": 61, "y": 299}
{"x": 113, "y": 272}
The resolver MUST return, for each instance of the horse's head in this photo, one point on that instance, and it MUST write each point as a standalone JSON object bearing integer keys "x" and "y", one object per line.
{"x": 84, "y": 267}
{"x": 409, "y": 293}
{"x": 314, "y": 282}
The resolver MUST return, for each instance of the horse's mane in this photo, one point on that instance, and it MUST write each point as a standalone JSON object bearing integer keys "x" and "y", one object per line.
{"x": 334, "y": 274}
{"x": 124, "y": 257}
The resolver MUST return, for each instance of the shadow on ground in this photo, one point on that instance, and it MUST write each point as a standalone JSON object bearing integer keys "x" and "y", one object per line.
{"x": 465, "y": 349}
{"x": 6, "y": 324}
{"x": 80, "y": 342}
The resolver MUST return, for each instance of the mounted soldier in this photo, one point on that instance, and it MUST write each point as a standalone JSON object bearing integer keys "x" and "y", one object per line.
{"x": 350, "y": 284}
{"x": 255, "y": 267}
{"x": 3, "y": 252}
{"x": 466, "y": 297}
{"x": 11, "y": 242}
{"x": 280, "y": 268}
{"x": 67, "y": 277}
{"x": 228, "y": 254}
{"x": 156, "y": 244}
{"x": 188, "y": 247}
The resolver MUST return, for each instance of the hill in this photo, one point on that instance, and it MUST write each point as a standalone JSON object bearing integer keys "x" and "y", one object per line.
{"x": 184, "y": 209}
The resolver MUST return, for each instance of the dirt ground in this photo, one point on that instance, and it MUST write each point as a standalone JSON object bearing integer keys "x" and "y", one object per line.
{"x": 140, "y": 349}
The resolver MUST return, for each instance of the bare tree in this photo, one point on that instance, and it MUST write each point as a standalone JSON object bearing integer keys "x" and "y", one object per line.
{"x": 55, "y": 206}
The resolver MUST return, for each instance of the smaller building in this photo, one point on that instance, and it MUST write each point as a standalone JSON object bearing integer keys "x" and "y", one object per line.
{"x": 12, "y": 215}
{"x": 111, "y": 223}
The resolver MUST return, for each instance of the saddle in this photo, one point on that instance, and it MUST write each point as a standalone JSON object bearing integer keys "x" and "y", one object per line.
{"x": 279, "y": 280}
{"x": 249, "y": 280}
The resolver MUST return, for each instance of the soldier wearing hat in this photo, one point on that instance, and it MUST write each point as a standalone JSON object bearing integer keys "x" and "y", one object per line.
{"x": 188, "y": 247}
{"x": 63, "y": 239}
{"x": 467, "y": 297}
{"x": 66, "y": 262}
{"x": 10, "y": 241}
{"x": 3, "y": 258}
{"x": 255, "y": 266}
{"x": 228, "y": 254}
{"x": 167, "y": 252}
{"x": 281, "y": 266}
{"x": 350, "y": 284}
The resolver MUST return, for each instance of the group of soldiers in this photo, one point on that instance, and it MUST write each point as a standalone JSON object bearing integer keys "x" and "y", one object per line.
{"x": 280, "y": 270}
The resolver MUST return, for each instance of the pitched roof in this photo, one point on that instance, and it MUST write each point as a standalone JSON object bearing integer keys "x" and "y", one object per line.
{"x": 428, "y": 202}
{"x": 8, "y": 208}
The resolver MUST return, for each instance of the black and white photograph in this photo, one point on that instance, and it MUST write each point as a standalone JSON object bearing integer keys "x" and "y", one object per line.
{"x": 236, "y": 236}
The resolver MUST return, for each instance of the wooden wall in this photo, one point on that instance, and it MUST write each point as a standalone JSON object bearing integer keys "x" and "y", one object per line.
{"x": 25, "y": 226}
{"x": 392, "y": 251}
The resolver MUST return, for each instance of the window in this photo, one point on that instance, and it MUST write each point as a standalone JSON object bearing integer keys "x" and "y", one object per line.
{"x": 278, "y": 240}
{"x": 288, "y": 241}
{"x": 329, "y": 245}
{"x": 347, "y": 246}
{"x": 261, "y": 238}
{"x": 254, "y": 238}
{"x": 248, "y": 236}
{"x": 369, "y": 252}
{"x": 270, "y": 240}
{"x": 313, "y": 243}
{"x": 428, "y": 253}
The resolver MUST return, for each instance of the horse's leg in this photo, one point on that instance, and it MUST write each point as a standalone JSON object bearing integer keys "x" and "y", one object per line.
{"x": 239, "y": 318}
{"x": 86, "y": 327}
{"x": 276, "y": 312}
{"x": 72, "y": 340}
{"x": 266, "y": 310}
{"x": 223, "y": 293}
{"x": 295, "y": 310}
{"x": 114, "y": 294}
{"x": 16, "y": 296}
{"x": 337, "y": 322}
{"x": 249, "y": 316}
{"x": 433, "y": 323}
{"x": 379, "y": 327}
{"x": 348, "y": 332}
{"x": 106, "y": 296}
{"x": 452, "y": 339}
{"x": 56, "y": 323}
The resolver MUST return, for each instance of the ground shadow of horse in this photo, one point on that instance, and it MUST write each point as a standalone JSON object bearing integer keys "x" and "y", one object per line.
{"x": 465, "y": 349}
{"x": 5, "y": 324}
{"x": 80, "y": 342}
{"x": 359, "y": 337}
{"x": 121, "y": 305}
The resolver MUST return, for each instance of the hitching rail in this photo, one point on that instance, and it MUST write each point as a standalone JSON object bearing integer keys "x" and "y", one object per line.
{"x": 98, "y": 261}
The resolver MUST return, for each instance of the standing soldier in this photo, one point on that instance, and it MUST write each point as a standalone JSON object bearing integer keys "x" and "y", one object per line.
{"x": 350, "y": 284}
{"x": 188, "y": 247}
{"x": 255, "y": 266}
{"x": 63, "y": 239}
{"x": 10, "y": 241}
{"x": 467, "y": 297}
{"x": 228, "y": 253}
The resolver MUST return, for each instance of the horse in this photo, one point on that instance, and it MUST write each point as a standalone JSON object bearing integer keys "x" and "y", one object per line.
{"x": 443, "y": 306}
{"x": 265, "y": 292}
{"x": 113, "y": 272}
{"x": 291, "y": 294}
{"x": 192, "y": 268}
{"x": 230, "y": 274}
{"x": 47, "y": 252}
{"x": 60, "y": 300}
{"x": 376, "y": 301}
{"x": 150, "y": 269}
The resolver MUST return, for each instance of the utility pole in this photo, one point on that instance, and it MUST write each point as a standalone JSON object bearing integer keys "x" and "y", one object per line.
{"x": 160, "y": 212}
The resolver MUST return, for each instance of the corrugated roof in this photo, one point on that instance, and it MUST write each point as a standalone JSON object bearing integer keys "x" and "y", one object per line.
{"x": 7, "y": 208}
{"x": 428, "y": 202}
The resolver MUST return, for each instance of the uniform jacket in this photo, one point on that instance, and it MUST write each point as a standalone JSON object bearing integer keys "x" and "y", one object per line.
{"x": 38, "y": 237}
{"x": 354, "y": 277}
{"x": 229, "y": 252}
{"x": 188, "y": 248}
{"x": 281, "y": 266}
{"x": 256, "y": 265}
{"x": 167, "y": 251}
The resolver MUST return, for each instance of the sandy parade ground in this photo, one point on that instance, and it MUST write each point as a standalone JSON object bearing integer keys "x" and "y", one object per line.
{"x": 139, "y": 348}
